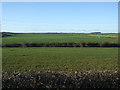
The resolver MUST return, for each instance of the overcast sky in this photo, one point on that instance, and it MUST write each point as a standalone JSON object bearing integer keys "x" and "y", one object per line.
{"x": 78, "y": 17}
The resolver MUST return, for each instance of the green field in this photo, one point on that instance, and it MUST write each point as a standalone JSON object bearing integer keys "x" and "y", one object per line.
{"x": 59, "y": 59}
{"x": 60, "y": 38}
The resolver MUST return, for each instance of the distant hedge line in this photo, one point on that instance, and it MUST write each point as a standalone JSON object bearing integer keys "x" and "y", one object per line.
{"x": 62, "y": 45}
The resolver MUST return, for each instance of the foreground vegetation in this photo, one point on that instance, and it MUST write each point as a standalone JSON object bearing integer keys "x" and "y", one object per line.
{"x": 58, "y": 80}
{"x": 59, "y": 59}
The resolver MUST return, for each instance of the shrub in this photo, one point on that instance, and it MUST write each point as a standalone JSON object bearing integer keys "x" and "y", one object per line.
{"x": 44, "y": 79}
{"x": 109, "y": 45}
{"x": 12, "y": 45}
{"x": 93, "y": 44}
{"x": 62, "y": 45}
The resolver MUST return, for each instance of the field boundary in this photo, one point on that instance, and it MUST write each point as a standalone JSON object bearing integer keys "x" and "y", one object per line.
{"x": 39, "y": 79}
{"x": 83, "y": 44}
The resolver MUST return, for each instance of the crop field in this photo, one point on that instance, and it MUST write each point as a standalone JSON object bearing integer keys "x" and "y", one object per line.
{"x": 59, "y": 66}
{"x": 60, "y": 38}
{"x": 59, "y": 59}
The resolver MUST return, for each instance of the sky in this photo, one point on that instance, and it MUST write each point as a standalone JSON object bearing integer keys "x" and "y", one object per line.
{"x": 67, "y": 17}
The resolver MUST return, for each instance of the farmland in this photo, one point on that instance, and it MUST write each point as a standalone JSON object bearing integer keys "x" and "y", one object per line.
{"x": 59, "y": 59}
{"x": 51, "y": 60}
{"x": 59, "y": 38}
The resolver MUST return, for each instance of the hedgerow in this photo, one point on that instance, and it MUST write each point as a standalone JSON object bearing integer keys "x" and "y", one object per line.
{"x": 50, "y": 79}
{"x": 83, "y": 44}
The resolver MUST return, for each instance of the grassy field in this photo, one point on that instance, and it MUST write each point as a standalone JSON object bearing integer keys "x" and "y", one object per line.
{"x": 59, "y": 59}
{"x": 60, "y": 38}
{"x": 52, "y": 67}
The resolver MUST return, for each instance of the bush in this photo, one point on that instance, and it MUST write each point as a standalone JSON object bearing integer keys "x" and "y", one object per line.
{"x": 44, "y": 79}
{"x": 62, "y": 45}
{"x": 12, "y": 45}
{"x": 109, "y": 45}
{"x": 93, "y": 44}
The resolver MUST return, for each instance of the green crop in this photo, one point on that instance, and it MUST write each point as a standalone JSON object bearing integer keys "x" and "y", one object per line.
{"x": 59, "y": 59}
{"x": 58, "y": 38}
